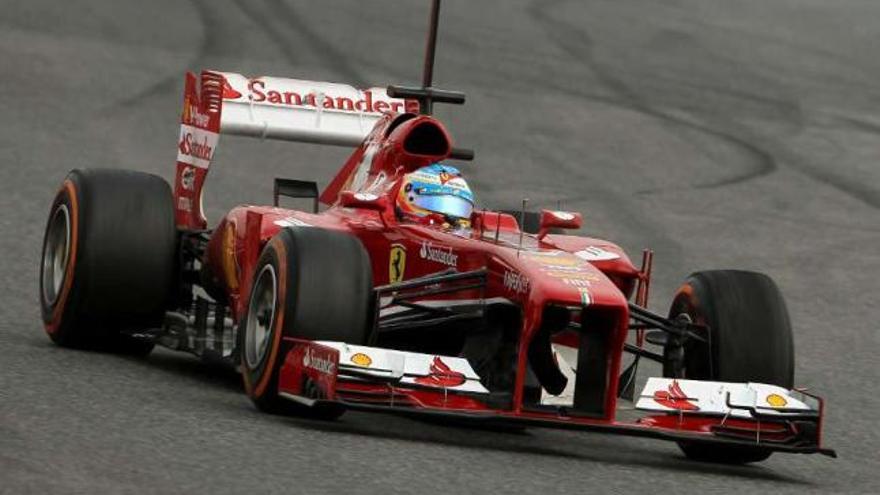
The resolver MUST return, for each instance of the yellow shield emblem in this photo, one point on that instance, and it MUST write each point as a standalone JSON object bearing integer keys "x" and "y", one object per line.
{"x": 396, "y": 263}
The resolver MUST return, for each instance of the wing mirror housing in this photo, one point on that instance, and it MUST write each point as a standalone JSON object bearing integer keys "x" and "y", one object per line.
{"x": 366, "y": 201}
{"x": 554, "y": 219}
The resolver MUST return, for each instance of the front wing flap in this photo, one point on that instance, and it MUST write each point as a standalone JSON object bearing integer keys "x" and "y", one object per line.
{"x": 333, "y": 374}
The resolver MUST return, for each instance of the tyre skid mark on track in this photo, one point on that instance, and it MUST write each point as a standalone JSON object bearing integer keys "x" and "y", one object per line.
{"x": 253, "y": 10}
{"x": 265, "y": 14}
{"x": 168, "y": 84}
{"x": 338, "y": 61}
{"x": 839, "y": 59}
{"x": 560, "y": 33}
{"x": 766, "y": 156}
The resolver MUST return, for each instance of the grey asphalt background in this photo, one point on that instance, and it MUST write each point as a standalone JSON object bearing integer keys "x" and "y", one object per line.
{"x": 721, "y": 134}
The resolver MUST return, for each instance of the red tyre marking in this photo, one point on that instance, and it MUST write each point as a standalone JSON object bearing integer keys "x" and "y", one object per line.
{"x": 687, "y": 290}
{"x": 55, "y": 321}
{"x": 281, "y": 296}
{"x": 692, "y": 304}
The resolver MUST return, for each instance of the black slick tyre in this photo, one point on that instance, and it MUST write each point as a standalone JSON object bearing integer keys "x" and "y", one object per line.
{"x": 308, "y": 283}
{"x": 750, "y": 341}
{"x": 108, "y": 259}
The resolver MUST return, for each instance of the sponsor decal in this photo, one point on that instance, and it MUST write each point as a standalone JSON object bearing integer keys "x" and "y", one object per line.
{"x": 439, "y": 254}
{"x": 554, "y": 260}
{"x": 184, "y": 204}
{"x": 228, "y": 92}
{"x": 361, "y": 359}
{"x": 585, "y": 297}
{"x": 569, "y": 271}
{"x": 516, "y": 282}
{"x": 368, "y": 103}
{"x": 291, "y": 222}
{"x": 674, "y": 398}
{"x": 441, "y": 376}
{"x": 595, "y": 253}
{"x": 188, "y": 178}
{"x": 577, "y": 273}
{"x": 192, "y": 115}
{"x": 581, "y": 283}
{"x": 365, "y": 196}
{"x": 228, "y": 260}
{"x": 544, "y": 253}
{"x": 196, "y": 146}
{"x": 396, "y": 263}
{"x": 314, "y": 361}
{"x": 776, "y": 400}
{"x": 563, "y": 215}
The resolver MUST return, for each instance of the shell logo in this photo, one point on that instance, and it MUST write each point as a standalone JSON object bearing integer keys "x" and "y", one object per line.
{"x": 361, "y": 359}
{"x": 776, "y": 400}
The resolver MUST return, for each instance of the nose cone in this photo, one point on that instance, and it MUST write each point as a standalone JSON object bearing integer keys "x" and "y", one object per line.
{"x": 560, "y": 277}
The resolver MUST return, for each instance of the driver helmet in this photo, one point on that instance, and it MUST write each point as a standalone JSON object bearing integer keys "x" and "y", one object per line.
{"x": 437, "y": 190}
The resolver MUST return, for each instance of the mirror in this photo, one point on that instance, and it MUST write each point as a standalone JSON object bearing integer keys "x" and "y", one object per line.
{"x": 554, "y": 219}
{"x": 367, "y": 201}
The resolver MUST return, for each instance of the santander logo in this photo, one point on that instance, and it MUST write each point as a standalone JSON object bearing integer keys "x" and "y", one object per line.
{"x": 196, "y": 146}
{"x": 191, "y": 147}
{"x": 228, "y": 92}
{"x": 318, "y": 363}
{"x": 298, "y": 95}
{"x": 443, "y": 255}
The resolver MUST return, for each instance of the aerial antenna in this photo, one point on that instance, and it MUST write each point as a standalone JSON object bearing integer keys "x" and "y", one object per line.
{"x": 431, "y": 46}
{"x": 427, "y": 95}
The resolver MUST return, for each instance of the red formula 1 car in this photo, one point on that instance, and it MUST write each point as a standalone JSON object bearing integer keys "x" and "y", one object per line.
{"x": 400, "y": 296}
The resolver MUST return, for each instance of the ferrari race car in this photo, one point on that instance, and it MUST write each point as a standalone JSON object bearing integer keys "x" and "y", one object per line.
{"x": 400, "y": 296}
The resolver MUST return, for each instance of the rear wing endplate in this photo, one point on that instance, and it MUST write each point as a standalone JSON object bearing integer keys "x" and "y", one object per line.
{"x": 268, "y": 108}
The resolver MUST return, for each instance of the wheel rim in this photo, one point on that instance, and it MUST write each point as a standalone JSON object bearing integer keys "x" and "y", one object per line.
{"x": 56, "y": 254}
{"x": 261, "y": 317}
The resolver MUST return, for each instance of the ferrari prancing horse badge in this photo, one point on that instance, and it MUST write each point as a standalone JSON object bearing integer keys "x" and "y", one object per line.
{"x": 396, "y": 263}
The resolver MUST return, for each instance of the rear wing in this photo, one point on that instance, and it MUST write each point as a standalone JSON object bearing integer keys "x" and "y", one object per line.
{"x": 306, "y": 111}
{"x": 269, "y": 108}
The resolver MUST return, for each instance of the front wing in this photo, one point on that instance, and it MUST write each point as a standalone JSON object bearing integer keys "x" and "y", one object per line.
{"x": 334, "y": 375}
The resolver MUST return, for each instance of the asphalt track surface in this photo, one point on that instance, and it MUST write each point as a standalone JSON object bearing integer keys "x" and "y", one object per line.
{"x": 721, "y": 134}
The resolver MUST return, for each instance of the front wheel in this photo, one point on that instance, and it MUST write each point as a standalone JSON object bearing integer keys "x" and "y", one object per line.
{"x": 310, "y": 284}
{"x": 750, "y": 340}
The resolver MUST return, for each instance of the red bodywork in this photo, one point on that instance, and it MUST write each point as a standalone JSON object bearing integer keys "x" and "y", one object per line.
{"x": 531, "y": 272}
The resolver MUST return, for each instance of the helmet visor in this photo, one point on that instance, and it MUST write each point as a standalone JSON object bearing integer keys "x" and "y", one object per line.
{"x": 445, "y": 204}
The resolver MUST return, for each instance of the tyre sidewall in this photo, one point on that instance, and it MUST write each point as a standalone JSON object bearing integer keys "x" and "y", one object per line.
{"x": 56, "y": 315}
{"x": 261, "y": 382}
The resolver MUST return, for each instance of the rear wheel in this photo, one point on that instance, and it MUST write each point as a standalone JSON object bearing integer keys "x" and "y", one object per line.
{"x": 750, "y": 341}
{"x": 108, "y": 262}
{"x": 311, "y": 284}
